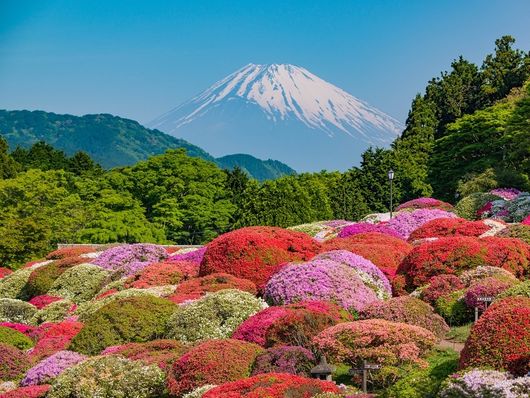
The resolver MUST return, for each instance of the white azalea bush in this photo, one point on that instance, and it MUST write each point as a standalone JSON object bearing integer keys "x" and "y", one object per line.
{"x": 79, "y": 283}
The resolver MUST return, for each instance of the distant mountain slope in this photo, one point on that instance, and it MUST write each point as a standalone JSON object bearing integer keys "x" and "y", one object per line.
{"x": 113, "y": 141}
{"x": 259, "y": 169}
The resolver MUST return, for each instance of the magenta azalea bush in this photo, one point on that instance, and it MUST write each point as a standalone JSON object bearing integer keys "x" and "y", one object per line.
{"x": 129, "y": 259}
{"x": 506, "y": 193}
{"x": 194, "y": 256}
{"x": 405, "y": 223}
{"x": 363, "y": 227}
{"x": 294, "y": 360}
{"x": 51, "y": 367}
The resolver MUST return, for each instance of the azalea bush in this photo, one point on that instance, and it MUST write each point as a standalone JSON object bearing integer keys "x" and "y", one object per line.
{"x": 13, "y": 362}
{"x": 4, "y": 272}
{"x": 188, "y": 255}
{"x": 294, "y": 360}
{"x": 425, "y": 203}
{"x": 406, "y": 222}
{"x": 27, "y": 330}
{"x": 520, "y": 289}
{"x": 503, "y": 330}
{"x": 42, "y": 301}
{"x": 294, "y": 324}
{"x": 410, "y": 310}
{"x": 28, "y": 392}
{"x": 214, "y": 316}
{"x": 197, "y": 287}
{"x": 519, "y": 231}
{"x": 482, "y": 272}
{"x": 468, "y": 206}
{"x": 79, "y": 283}
{"x": 54, "y": 312}
{"x": 51, "y": 367}
{"x": 109, "y": 376}
{"x": 256, "y": 253}
{"x": 157, "y": 274}
{"x": 488, "y": 287}
{"x": 72, "y": 251}
{"x": 54, "y": 337}
{"x": 212, "y": 362}
{"x": 135, "y": 319}
{"x": 12, "y": 310}
{"x": 14, "y": 285}
{"x": 15, "y": 338}
{"x": 129, "y": 259}
{"x": 439, "y": 286}
{"x": 41, "y": 279}
{"x": 444, "y": 227}
{"x": 364, "y": 227}
{"x": 272, "y": 385}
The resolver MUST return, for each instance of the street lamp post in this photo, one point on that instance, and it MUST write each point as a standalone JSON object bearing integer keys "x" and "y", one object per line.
{"x": 391, "y": 178}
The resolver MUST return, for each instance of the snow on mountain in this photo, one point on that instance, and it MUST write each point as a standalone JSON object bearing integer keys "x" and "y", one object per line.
{"x": 260, "y": 108}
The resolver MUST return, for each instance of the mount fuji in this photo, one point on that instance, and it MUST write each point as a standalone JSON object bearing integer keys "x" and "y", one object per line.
{"x": 283, "y": 112}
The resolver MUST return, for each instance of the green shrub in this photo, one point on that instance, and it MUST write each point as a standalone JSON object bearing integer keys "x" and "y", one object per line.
{"x": 79, "y": 283}
{"x": 453, "y": 309}
{"x": 41, "y": 279}
{"x": 521, "y": 289}
{"x": 109, "y": 377}
{"x": 134, "y": 319}
{"x": 18, "y": 311}
{"x": 215, "y": 316}
{"x": 15, "y": 338}
{"x": 519, "y": 231}
{"x": 14, "y": 285}
{"x": 54, "y": 312}
{"x": 469, "y": 205}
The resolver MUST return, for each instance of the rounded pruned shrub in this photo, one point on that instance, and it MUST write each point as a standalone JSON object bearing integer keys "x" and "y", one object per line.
{"x": 14, "y": 285}
{"x": 448, "y": 227}
{"x": 157, "y": 274}
{"x": 15, "y": 338}
{"x": 452, "y": 307}
{"x": 294, "y": 360}
{"x": 425, "y": 203}
{"x": 468, "y": 206}
{"x": 79, "y": 283}
{"x": 488, "y": 287}
{"x": 13, "y": 362}
{"x": 53, "y": 337}
{"x": 18, "y": 311}
{"x": 519, "y": 231}
{"x": 439, "y": 286}
{"x": 54, "y": 312}
{"x": 127, "y": 260}
{"x": 48, "y": 369}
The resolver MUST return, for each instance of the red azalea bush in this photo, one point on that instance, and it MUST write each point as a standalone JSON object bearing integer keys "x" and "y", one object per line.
{"x": 272, "y": 385}
{"x": 285, "y": 359}
{"x": 74, "y": 251}
{"x": 20, "y": 327}
{"x": 488, "y": 287}
{"x": 526, "y": 221}
{"x": 54, "y": 337}
{"x": 519, "y": 364}
{"x": 457, "y": 254}
{"x": 198, "y": 287}
{"x": 439, "y": 286}
{"x": 4, "y": 272}
{"x": 445, "y": 227}
{"x": 293, "y": 324}
{"x": 42, "y": 279}
{"x": 501, "y": 332}
{"x": 385, "y": 251}
{"x": 43, "y": 300}
{"x": 13, "y": 362}
{"x": 160, "y": 352}
{"x": 27, "y": 392}
{"x": 425, "y": 203}
{"x": 407, "y": 309}
{"x": 157, "y": 274}
{"x": 212, "y": 362}
{"x": 255, "y": 253}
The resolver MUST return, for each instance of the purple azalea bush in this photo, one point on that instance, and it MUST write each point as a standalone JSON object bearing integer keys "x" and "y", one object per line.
{"x": 194, "y": 256}
{"x": 506, "y": 193}
{"x": 294, "y": 360}
{"x": 51, "y": 367}
{"x": 130, "y": 259}
{"x": 405, "y": 223}
{"x": 321, "y": 279}
{"x": 364, "y": 227}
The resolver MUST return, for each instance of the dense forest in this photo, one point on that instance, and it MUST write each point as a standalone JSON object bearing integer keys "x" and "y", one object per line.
{"x": 469, "y": 128}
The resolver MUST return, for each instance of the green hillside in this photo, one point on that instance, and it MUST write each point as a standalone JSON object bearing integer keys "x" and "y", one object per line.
{"x": 261, "y": 170}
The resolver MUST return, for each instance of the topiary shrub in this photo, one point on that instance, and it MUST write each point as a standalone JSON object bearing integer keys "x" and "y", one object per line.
{"x": 520, "y": 289}
{"x": 53, "y": 337}
{"x": 19, "y": 327}
{"x": 488, "y": 287}
{"x": 157, "y": 352}
{"x": 410, "y": 310}
{"x": 109, "y": 376}
{"x": 406, "y": 222}
{"x": 503, "y": 330}
{"x": 482, "y": 272}
{"x": 194, "y": 256}
{"x": 458, "y": 254}
{"x": 79, "y": 283}
{"x": 42, "y": 301}
{"x": 365, "y": 227}
{"x": 48, "y": 369}
{"x": 468, "y": 206}
{"x": 12, "y": 310}
{"x": 73, "y": 251}
{"x": 5, "y": 272}
{"x": 135, "y": 319}
{"x": 54, "y": 312}
{"x": 214, "y": 316}
{"x": 212, "y": 362}
{"x": 439, "y": 286}
{"x": 15, "y": 338}
{"x": 28, "y": 392}
{"x": 14, "y": 285}
{"x": 13, "y": 362}
{"x": 41, "y": 279}
{"x": 425, "y": 203}
{"x": 157, "y": 274}
{"x": 447, "y": 227}
{"x": 519, "y": 231}
{"x": 198, "y": 287}
{"x": 390, "y": 344}
{"x": 272, "y": 385}
{"x": 294, "y": 360}
{"x": 453, "y": 308}
{"x": 256, "y": 253}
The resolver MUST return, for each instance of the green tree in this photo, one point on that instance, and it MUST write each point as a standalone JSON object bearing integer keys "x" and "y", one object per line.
{"x": 8, "y": 166}
{"x": 41, "y": 156}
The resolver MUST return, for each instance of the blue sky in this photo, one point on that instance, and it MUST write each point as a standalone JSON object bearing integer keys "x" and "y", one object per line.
{"x": 138, "y": 59}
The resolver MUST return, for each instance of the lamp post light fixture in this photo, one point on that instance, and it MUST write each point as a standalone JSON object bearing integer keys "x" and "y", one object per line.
{"x": 391, "y": 179}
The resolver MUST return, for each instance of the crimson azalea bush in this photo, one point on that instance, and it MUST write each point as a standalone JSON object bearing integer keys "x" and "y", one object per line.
{"x": 74, "y": 251}
{"x": 502, "y": 331}
{"x": 13, "y": 362}
{"x": 392, "y": 345}
{"x": 272, "y": 385}
{"x": 4, "y": 272}
{"x": 488, "y": 287}
{"x": 444, "y": 227}
{"x": 157, "y": 274}
{"x": 425, "y": 203}
{"x": 526, "y": 221}
{"x": 439, "y": 286}
{"x": 42, "y": 301}
{"x": 456, "y": 254}
{"x": 27, "y": 392}
{"x": 15, "y": 338}
{"x": 410, "y": 310}
{"x": 198, "y": 287}
{"x": 256, "y": 253}
{"x": 20, "y": 327}
{"x": 212, "y": 362}
{"x": 293, "y": 324}
{"x": 294, "y": 360}
{"x": 156, "y": 352}
{"x": 364, "y": 227}
{"x": 54, "y": 337}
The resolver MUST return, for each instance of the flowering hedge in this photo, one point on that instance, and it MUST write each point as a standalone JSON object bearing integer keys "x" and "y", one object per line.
{"x": 12, "y": 310}
{"x": 54, "y": 337}
{"x": 13, "y": 362}
{"x": 74, "y": 251}
{"x": 364, "y": 227}
{"x": 410, "y": 310}
{"x": 445, "y": 227}
{"x": 256, "y": 253}
{"x": 198, "y": 287}
{"x": 54, "y": 312}
{"x": 4, "y": 272}
{"x": 51, "y": 367}
{"x": 27, "y": 392}
{"x": 406, "y": 222}
{"x": 505, "y": 193}
{"x": 109, "y": 376}
{"x": 193, "y": 256}
{"x": 157, "y": 274}
{"x": 42, "y": 301}
{"x": 214, "y": 316}
{"x": 15, "y": 338}
{"x": 519, "y": 231}
{"x": 294, "y": 324}
{"x": 439, "y": 286}
{"x": 14, "y": 285}
{"x": 478, "y": 383}
{"x": 503, "y": 330}
{"x": 134, "y": 319}
{"x": 294, "y": 360}
{"x": 488, "y": 287}
{"x": 272, "y": 385}
{"x": 457, "y": 254}
{"x": 129, "y": 259}
{"x": 157, "y": 352}
{"x": 212, "y": 362}
{"x": 79, "y": 283}
{"x": 425, "y": 203}
{"x": 468, "y": 206}
{"x": 20, "y": 327}
{"x": 390, "y": 344}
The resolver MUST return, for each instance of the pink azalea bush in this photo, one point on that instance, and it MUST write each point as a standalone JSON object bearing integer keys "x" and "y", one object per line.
{"x": 405, "y": 223}
{"x": 363, "y": 227}
{"x": 51, "y": 367}
{"x": 129, "y": 259}
{"x": 424, "y": 203}
{"x": 506, "y": 193}
{"x": 194, "y": 256}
